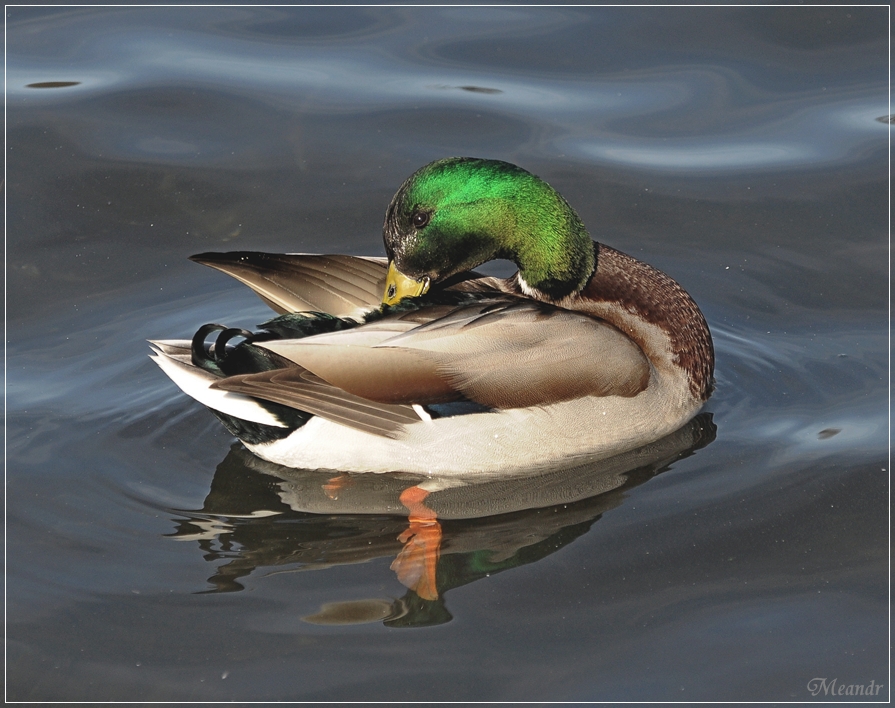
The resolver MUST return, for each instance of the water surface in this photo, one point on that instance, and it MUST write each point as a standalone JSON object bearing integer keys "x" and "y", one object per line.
{"x": 738, "y": 149}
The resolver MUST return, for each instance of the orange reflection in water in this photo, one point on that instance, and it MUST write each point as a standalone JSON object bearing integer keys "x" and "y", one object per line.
{"x": 415, "y": 564}
{"x": 334, "y": 486}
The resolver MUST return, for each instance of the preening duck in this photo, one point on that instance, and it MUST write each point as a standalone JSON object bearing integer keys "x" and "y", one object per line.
{"x": 416, "y": 363}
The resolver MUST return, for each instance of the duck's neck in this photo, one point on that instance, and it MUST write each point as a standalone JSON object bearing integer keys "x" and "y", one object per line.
{"x": 654, "y": 311}
{"x": 553, "y": 250}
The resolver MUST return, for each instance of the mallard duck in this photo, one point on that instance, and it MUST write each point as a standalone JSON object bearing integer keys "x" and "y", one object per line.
{"x": 417, "y": 363}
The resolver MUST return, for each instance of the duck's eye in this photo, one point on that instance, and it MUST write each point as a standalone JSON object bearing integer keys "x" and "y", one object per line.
{"x": 419, "y": 219}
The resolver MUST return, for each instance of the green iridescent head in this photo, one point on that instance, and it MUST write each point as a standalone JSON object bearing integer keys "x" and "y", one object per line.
{"x": 455, "y": 214}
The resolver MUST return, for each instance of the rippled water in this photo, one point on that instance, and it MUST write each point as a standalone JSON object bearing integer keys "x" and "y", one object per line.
{"x": 742, "y": 150}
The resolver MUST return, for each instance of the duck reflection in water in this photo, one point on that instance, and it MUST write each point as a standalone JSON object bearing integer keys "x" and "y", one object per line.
{"x": 259, "y": 515}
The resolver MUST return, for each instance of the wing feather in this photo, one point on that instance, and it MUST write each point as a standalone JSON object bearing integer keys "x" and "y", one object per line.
{"x": 501, "y": 353}
{"x": 335, "y": 284}
{"x": 300, "y": 389}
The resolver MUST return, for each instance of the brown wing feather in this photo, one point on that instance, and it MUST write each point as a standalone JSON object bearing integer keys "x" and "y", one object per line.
{"x": 525, "y": 353}
{"x": 335, "y": 284}
{"x": 501, "y": 353}
{"x": 378, "y": 374}
{"x": 300, "y": 389}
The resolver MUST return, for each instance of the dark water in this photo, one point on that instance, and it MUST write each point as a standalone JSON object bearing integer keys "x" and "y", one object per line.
{"x": 739, "y": 149}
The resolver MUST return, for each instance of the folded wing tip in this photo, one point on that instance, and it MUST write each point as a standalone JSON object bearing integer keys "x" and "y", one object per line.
{"x": 206, "y": 257}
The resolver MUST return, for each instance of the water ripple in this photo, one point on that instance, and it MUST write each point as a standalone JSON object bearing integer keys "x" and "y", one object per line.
{"x": 358, "y": 77}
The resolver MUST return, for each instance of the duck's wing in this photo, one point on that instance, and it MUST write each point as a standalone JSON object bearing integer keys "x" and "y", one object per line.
{"x": 294, "y": 387}
{"x": 499, "y": 353}
{"x": 298, "y": 388}
{"x": 338, "y": 285}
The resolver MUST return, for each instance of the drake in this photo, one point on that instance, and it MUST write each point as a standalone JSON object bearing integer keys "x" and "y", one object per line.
{"x": 416, "y": 363}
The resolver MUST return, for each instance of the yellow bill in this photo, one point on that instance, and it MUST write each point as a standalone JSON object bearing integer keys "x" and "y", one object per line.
{"x": 398, "y": 286}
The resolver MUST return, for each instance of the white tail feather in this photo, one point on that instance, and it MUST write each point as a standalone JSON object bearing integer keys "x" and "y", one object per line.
{"x": 195, "y": 382}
